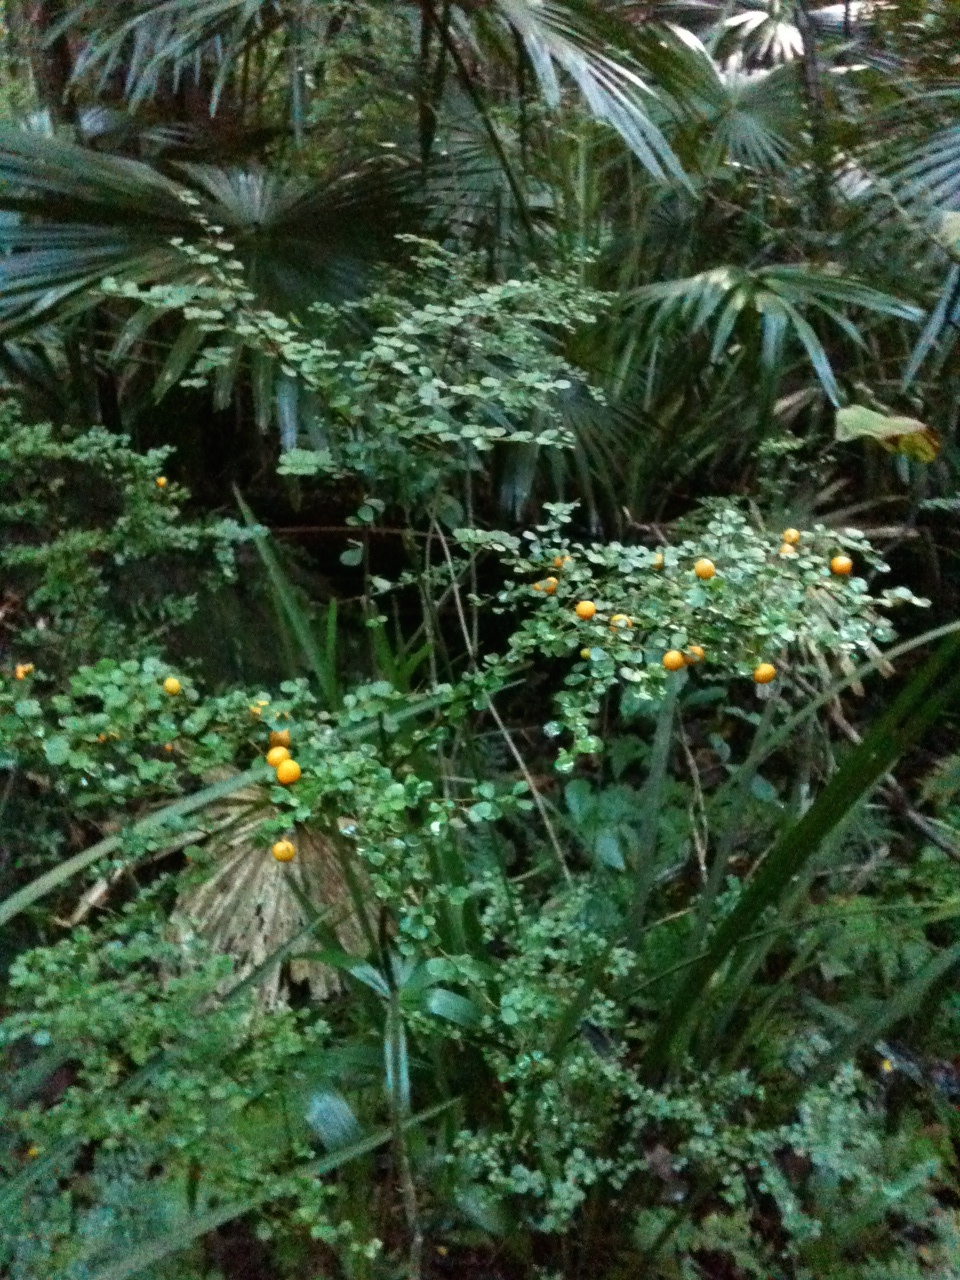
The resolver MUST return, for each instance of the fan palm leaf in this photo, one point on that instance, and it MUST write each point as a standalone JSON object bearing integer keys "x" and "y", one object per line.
{"x": 173, "y": 37}
{"x": 749, "y": 117}
{"x": 70, "y": 217}
{"x": 765, "y": 307}
{"x": 247, "y": 909}
{"x": 631, "y": 77}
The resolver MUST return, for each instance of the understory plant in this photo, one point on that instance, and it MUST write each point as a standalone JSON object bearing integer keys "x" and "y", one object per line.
{"x": 478, "y": 964}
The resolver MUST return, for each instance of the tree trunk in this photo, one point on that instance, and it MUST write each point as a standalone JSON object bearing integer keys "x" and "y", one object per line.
{"x": 51, "y": 60}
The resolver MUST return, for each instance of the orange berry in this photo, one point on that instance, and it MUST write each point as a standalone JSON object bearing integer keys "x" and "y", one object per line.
{"x": 791, "y": 536}
{"x": 673, "y": 660}
{"x": 704, "y": 569}
{"x": 161, "y": 482}
{"x": 788, "y": 549}
{"x": 276, "y": 756}
{"x": 168, "y": 747}
{"x": 620, "y": 620}
{"x": 280, "y": 738}
{"x": 22, "y": 670}
{"x": 538, "y": 586}
{"x": 172, "y": 686}
{"x": 560, "y": 561}
{"x": 764, "y": 673}
{"x": 585, "y": 610}
{"x": 101, "y": 737}
{"x": 288, "y": 771}
{"x": 695, "y": 653}
{"x": 841, "y": 565}
{"x": 284, "y": 851}
{"x": 657, "y": 561}
{"x": 550, "y": 586}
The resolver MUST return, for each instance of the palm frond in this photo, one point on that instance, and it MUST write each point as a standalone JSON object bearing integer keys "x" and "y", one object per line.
{"x": 932, "y": 174}
{"x": 749, "y": 117}
{"x": 247, "y": 909}
{"x": 588, "y": 44}
{"x": 763, "y": 308}
{"x": 73, "y": 217}
{"x": 173, "y": 38}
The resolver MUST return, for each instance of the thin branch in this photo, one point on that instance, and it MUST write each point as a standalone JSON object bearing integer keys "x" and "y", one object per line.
{"x": 505, "y": 732}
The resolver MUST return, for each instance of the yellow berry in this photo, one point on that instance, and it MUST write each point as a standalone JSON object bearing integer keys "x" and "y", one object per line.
{"x": 550, "y": 586}
{"x": 585, "y": 654}
{"x": 22, "y": 670}
{"x": 276, "y": 756}
{"x": 657, "y": 561}
{"x": 764, "y": 673}
{"x": 288, "y": 771}
{"x": 280, "y": 738}
{"x": 673, "y": 660}
{"x": 841, "y": 565}
{"x": 791, "y": 536}
{"x": 788, "y": 549}
{"x": 172, "y": 686}
{"x": 284, "y": 851}
{"x": 620, "y": 620}
{"x": 585, "y": 610}
{"x": 704, "y": 569}
{"x": 560, "y": 561}
{"x": 695, "y": 653}
{"x": 161, "y": 482}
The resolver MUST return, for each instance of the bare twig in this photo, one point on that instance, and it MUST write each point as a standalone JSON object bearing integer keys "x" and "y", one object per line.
{"x": 505, "y": 732}
{"x": 698, "y": 810}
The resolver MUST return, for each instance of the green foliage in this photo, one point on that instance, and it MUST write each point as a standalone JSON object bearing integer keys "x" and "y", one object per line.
{"x": 92, "y": 547}
{"x": 486, "y": 308}
{"x": 760, "y": 605}
{"x": 573, "y": 1122}
{"x": 404, "y": 389}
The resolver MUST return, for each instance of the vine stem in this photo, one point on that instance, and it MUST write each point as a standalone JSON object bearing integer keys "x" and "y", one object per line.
{"x": 498, "y": 720}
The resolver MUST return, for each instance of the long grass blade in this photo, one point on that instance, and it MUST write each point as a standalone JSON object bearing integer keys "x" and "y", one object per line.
{"x": 924, "y": 699}
{"x": 56, "y": 876}
{"x": 320, "y": 659}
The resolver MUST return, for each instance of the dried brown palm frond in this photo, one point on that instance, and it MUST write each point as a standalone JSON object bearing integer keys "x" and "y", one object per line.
{"x": 247, "y": 909}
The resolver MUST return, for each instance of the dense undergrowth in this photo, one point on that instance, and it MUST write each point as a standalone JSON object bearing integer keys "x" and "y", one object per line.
{"x": 479, "y": 659}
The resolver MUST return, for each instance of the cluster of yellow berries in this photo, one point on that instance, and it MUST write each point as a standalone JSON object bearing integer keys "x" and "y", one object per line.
{"x": 288, "y": 771}
{"x": 278, "y": 757}
{"x": 675, "y": 659}
{"x": 840, "y": 565}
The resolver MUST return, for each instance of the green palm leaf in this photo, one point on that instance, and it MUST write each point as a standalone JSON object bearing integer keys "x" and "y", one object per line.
{"x": 73, "y": 216}
{"x": 735, "y": 303}
{"x": 609, "y": 63}
{"x": 631, "y": 78}
{"x": 172, "y": 38}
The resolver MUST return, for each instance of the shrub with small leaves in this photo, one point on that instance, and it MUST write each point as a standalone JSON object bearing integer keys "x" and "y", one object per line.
{"x": 91, "y": 548}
